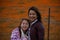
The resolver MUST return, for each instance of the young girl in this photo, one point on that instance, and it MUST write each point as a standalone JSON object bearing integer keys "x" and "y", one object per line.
{"x": 21, "y": 32}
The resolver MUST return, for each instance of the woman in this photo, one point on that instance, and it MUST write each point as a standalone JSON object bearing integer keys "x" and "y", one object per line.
{"x": 36, "y": 27}
{"x": 21, "y": 32}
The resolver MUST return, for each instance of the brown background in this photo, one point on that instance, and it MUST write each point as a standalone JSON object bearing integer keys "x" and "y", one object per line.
{"x": 11, "y": 11}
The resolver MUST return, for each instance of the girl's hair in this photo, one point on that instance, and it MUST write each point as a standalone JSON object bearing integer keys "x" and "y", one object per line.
{"x": 20, "y": 24}
{"x": 37, "y": 13}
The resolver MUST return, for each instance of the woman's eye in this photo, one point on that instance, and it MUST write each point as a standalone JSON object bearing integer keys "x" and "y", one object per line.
{"x": 32, "y": 14}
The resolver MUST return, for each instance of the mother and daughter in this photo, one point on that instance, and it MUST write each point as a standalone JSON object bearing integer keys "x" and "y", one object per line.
{"x": 29, "y": 29}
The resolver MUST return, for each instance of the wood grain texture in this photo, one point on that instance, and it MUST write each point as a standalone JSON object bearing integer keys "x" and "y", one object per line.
{"x": 11, "y": 11}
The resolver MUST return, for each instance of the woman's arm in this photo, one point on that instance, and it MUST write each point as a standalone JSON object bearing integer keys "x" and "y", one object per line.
{"x": 40, "y": 32}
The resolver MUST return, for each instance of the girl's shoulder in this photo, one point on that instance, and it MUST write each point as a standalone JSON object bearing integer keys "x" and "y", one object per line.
{"x": 15, "y": 30}
{"x": 15, "y": 33}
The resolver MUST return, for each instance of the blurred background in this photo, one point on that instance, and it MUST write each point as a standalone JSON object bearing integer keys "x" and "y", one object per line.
{"x": 11, "y": 11}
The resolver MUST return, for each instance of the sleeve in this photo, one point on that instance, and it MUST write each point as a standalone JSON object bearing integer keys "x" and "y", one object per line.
{"x": 40, "y": 32}
{"x": 14, "y": 35}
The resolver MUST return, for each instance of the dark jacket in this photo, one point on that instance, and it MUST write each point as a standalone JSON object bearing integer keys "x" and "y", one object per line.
{"x": 37, "y": 31}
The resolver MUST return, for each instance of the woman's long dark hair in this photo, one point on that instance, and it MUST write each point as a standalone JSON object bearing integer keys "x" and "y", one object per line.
{"x": 37, "y": 13}
{"x": 20, "y": 24}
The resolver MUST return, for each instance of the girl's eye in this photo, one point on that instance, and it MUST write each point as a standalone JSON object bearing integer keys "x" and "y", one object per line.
{"x": 25, "y": 23}
{"x": 29, "y": 13}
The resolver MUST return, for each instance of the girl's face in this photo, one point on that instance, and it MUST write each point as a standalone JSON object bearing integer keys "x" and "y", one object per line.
{"x": 32, "y": 15}
{"x": 24, "y": 25}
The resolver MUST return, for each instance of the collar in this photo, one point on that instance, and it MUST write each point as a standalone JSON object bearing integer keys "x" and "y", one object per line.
{"x": 34, "y": 22}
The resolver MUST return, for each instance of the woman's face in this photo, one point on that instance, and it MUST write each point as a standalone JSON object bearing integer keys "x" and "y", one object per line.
{"x": 32, "y": 15}
{"x": 24, "y": 25}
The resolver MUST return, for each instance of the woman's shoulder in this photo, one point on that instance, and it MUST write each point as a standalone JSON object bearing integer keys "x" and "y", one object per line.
{"x": 39, "y": 24}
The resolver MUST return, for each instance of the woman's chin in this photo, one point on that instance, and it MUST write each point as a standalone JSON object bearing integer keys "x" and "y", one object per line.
{"x": 31, "y": 20}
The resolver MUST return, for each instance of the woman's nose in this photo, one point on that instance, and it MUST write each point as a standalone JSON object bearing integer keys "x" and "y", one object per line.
{"x": 31, "y": 15}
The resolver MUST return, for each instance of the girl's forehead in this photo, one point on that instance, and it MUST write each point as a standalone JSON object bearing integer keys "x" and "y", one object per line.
{"x": 24, "y": 21}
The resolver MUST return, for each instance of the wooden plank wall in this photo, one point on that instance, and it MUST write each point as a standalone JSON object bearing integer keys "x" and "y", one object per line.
{"x": 11, "y": 11}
